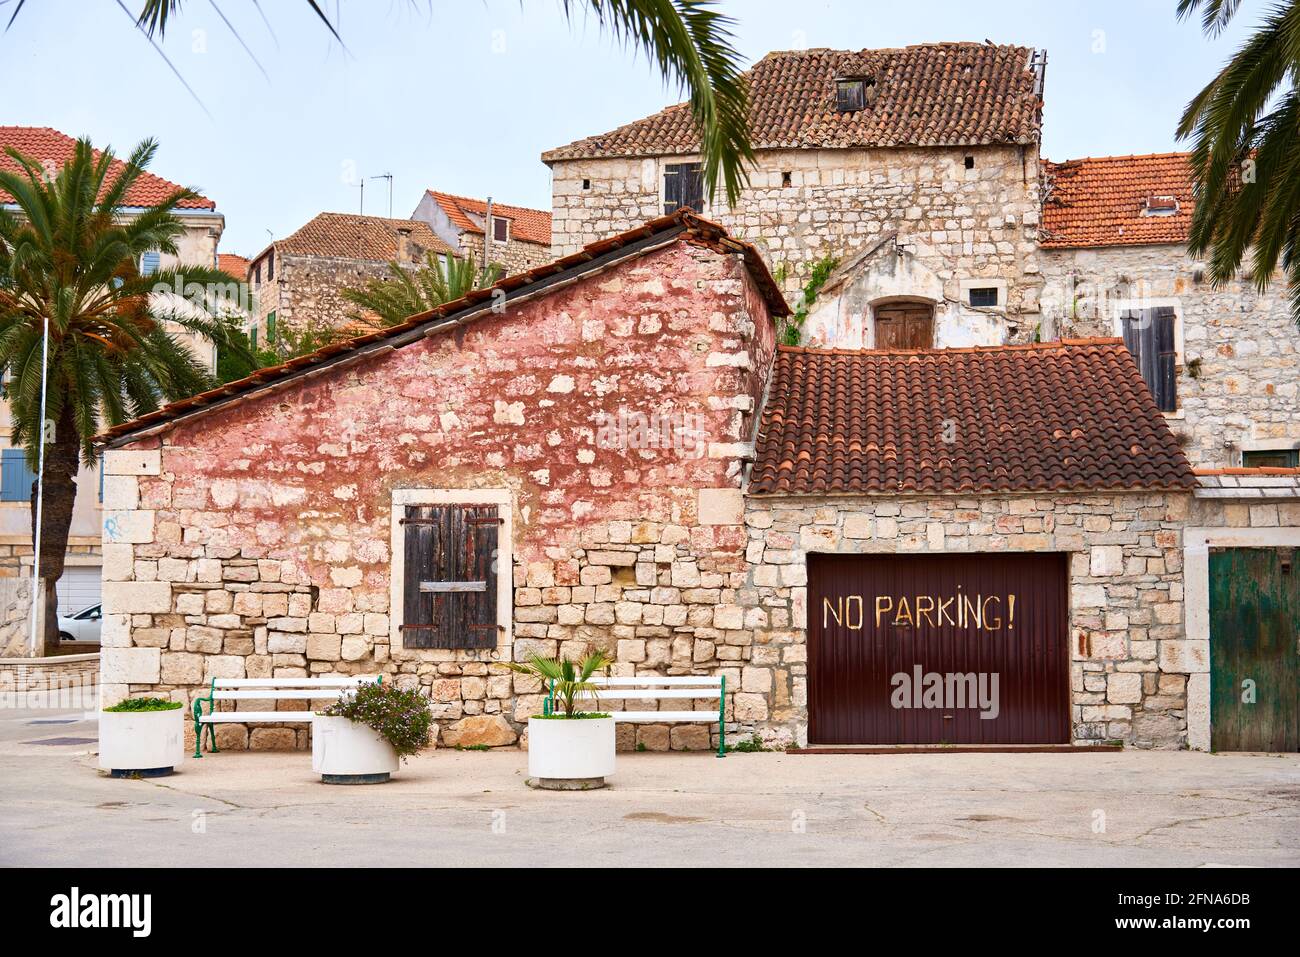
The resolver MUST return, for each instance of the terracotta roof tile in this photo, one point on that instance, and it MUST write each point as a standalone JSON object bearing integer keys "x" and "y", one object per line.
{"x": 682, "y": 225}
{"x": 936, "y": 94}
{"x": 1103, "y": 201}
{"x": 233, "y": 265}
{"x": 528, "y": 225}
{"x": 42, "y": 143}
{"x": 350, "y": 236}
{"x": 1072, "y": 415}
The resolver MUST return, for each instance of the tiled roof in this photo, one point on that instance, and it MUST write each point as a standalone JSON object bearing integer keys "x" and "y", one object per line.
{"x": 232, "y": 264}
{"x": 42, "y": 143}
{"x": 1103, "y": 200}
{"x": 935, "y": 94}
{"x": 350, "y": 236}
{"x": 681, "y": 225}
{"x": 1071, "y": 415}
{"x": 528, "y": 225}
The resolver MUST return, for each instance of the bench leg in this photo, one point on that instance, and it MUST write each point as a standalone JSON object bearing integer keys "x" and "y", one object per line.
{"x": 722, "y": 719}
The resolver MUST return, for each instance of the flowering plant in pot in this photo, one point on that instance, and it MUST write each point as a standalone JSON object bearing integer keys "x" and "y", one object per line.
{"x": 568, "y": 749}
{"x": 142, "y": 737}
{"x": 360, "y": 738}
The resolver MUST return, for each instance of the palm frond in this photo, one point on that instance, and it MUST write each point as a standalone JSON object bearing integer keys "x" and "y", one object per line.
{"x": 691, "y": 43}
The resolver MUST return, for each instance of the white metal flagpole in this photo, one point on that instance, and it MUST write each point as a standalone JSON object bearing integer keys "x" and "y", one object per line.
{"x": 38, "y": 598}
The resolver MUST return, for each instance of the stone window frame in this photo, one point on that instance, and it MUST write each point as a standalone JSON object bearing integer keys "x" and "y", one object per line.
{"x": 661, "y": 167}
{"x": 965, "y": 286}
{"x": 1120, "y": 306}
{"x": 504, "y": 500}
{"x": 1197, "y": 543}
{"x": 1265, "y": 445}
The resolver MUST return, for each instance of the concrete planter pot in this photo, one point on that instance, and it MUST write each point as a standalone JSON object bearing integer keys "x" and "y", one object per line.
{"x": 344, "y": 751}
{"x": 570, "y": 754}
{"x": 141, "y": 743}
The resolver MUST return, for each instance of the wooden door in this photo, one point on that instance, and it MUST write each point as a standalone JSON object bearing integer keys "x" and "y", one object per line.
{"x": 1254, "y": 665}
{"x": 907, "y": 326}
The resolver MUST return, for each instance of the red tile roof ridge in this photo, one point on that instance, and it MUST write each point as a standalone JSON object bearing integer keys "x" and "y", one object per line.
{"x": 957, "y": 350}
{"x": 1118, "y": 157}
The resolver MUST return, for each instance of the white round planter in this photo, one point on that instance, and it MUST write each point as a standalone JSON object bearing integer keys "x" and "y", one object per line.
{"x": 141, "y": 743}
{"x": 570, "y": 754}
{"x": 344, "y": 751}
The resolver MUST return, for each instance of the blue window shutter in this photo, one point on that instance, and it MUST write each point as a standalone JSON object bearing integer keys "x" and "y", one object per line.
{"x": 15, "y": 477}
{"x": 149, "y": 264}
{"x": 100, "y": 466}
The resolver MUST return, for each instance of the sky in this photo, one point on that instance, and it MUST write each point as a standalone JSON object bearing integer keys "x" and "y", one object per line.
{"x": 464, "y": 95}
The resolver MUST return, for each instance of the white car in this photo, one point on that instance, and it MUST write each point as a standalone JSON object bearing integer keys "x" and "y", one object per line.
{"x": 82, "y": 626}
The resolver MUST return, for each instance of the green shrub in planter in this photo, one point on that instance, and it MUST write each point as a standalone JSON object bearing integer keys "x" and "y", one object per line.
{"x": 145, "y": 704}
{"x": 402, "y": 718}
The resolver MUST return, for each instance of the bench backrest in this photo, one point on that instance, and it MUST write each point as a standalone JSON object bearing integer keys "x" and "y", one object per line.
{"x": 269, "y": 689}
{"x": 651, "y": 687}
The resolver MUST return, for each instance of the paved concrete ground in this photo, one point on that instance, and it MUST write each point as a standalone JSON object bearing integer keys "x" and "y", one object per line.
{"x": 465, "y": 808}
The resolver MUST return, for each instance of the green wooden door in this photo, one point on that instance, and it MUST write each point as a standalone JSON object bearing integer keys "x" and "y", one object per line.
{"x": 1254, "y": 630}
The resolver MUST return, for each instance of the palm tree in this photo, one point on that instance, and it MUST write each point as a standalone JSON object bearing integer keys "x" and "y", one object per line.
{"x": 70, "y": 261}
{"x": 410, "y": 291}
{"x": 1245, "y": 131}
{"x": 688, "y": 40}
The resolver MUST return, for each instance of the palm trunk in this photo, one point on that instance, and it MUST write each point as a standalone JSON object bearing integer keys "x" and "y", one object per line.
{"x": 60, "y": 480}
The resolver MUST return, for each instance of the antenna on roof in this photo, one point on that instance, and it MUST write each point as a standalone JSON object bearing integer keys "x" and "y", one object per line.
{"x": 389, "y": 177}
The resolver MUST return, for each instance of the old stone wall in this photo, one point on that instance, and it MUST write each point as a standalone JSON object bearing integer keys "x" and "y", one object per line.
{"x": 1129, "y": 658}
{"x": 514, "y": 255}
{"x": 803, "y": 205}
{"x": 1238, "y": 350}
{"x": 307, "y": 292}
{"x": 256, "y": 541}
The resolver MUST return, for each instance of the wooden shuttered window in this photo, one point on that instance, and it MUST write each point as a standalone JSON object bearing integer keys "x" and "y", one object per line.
{"x": 449, "y": 587}
{"x": 683, "y": 186}
{"x": 1149, "y": 335}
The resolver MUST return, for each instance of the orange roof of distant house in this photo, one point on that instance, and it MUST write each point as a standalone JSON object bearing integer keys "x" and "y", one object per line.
{"x": 1024, "y": 418}
{"x": 528, "y": 225}
{"x": 1118, "y": 201}
{"x": 232, "y": 264}
{"x": 932, "y": 94}
{"x": 351, "y": 236}
{"x": 42, "y": 143}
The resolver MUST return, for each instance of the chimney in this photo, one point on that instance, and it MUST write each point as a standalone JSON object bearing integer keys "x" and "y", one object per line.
{"x": 404, "y": 244}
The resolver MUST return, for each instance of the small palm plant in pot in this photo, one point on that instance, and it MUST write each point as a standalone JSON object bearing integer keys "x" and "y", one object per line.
{"x": 568, "y": 749}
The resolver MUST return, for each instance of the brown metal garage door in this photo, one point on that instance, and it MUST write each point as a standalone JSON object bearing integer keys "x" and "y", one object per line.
{"x": 938, "y": 649}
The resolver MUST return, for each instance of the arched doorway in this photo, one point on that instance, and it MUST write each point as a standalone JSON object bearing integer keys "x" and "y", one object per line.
{"x": 904, "y": 324}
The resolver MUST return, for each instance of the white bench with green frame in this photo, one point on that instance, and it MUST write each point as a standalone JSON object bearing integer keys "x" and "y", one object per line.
{"x": 328, "y": 688}
{"x": 660, "y": 688}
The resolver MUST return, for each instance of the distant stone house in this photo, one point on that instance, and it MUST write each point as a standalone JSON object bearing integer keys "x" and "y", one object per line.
{"x": 1223, "y": 360}
{"x": 80, "y": 586}
{"x": 916, "y": 169}
{"x": 520, "y": 237}
{"x": 634, "y": 464}
{"x": 298, "y": 281}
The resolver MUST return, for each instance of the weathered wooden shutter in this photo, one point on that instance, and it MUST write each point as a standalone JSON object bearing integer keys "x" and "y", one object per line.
{"x": 1149, "y": 335}
{"x": 683, "y": 186}
{"x": 449, "y": 583}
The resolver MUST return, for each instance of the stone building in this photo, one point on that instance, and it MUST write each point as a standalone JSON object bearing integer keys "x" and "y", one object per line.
{"x": 1223, "y": 359}
{"x": 916, "y": 169}
{"x": 80, "y": 586}
{"x": 656, "y": 477}
{"x": 520, "y": 239}
{"x": 298, "y": 281}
